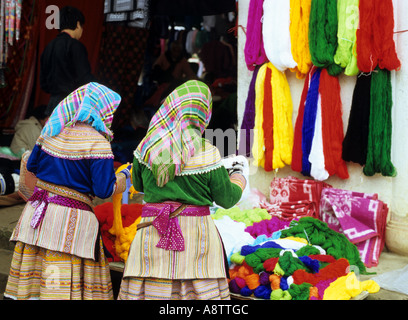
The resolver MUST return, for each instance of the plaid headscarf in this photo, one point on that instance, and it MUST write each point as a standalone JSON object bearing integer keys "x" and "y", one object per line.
{"x": 175, "y": 131}
{"x": 92, "y": 103}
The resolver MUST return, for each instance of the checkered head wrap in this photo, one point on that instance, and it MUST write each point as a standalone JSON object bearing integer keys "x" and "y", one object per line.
{"x": 175, "y": 131}
{"x": 92, "y": 103}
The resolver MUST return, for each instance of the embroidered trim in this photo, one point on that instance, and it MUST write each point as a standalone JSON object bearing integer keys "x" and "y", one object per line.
{"x": 65, "y": 192}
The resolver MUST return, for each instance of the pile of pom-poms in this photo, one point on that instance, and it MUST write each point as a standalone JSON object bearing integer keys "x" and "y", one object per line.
{"x": 104, "y": 213}
{"x": 295, "y": 269}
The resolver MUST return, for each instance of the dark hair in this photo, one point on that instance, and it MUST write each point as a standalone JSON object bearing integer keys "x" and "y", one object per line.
{"x": 39, "y": 112}
{"x": 69, "y": 16}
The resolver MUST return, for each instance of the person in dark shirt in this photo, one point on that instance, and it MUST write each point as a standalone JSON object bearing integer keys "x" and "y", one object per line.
{"x": 64, "y": 61}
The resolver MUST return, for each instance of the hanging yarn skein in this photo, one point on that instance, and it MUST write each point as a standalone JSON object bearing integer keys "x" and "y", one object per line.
{"x": 282, "y": 120}
{"x": 375, "y": 42}
{"x": 267, "y": 125}
{"x": 299, "y": 35}
{"x": 380, "y": 126}
{"x": 332, "y": 125}
{"x": 248, "y": 121}
{"x": 348, "y": 19}
{"x": 323, "y": 26}
{"x": 297, "y": 154}
{"x": 254, "y": 48}
{"x": 355, "y": 141}
{"x": 258, "y": 148}
{"x": 276, "y": 34}
{"x": 273, "y": 129}
{"x": 309, "y": 120}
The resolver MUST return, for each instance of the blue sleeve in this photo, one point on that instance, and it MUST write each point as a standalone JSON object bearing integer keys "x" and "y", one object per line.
{"x": 103, "y": 177}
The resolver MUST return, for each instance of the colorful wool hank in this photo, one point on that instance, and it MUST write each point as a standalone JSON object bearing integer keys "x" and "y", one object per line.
{"x": 273, "y": 139}
{"x": 254, "y": 50}
{"x": 297, "y": 154}
{"x": 380, "y": 126}
{"x": 276, "y": 35}
{"x": 323, "y": 26}
{"x": 299, "y": 35}
{"x": 332, "y": 125}
{"x": 348, "y": 20}
{"x": 375, "y": 42}
{"x": 258, "y": 146}
{"x": 355, "y": 140}
{"x": 248, "y": 121}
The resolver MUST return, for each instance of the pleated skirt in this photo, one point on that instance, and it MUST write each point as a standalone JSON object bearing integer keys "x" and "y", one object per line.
{"x": 133, "y": 288}
{"x": 41, "y": 274}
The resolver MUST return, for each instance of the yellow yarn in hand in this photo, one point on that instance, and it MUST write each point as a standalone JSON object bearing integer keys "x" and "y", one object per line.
{"x": 299, "y": 36}
{"x": 123, "y": 236}
{"x": 347, "y": 287}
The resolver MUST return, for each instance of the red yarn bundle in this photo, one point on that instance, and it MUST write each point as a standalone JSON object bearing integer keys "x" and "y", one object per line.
{"x": 267, "y": 124}
{"x": 375, "y": 42}
{"x": 297, "y": 142}
{"x": 332, "y": 271}
{"x": 104, "y": 214}
{"x": 332, "y": 125}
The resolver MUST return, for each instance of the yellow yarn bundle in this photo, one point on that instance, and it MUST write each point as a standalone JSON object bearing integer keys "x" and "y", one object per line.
{"x": 258, "y": 148}
{"x": 123, "y": 235}
{"x": 283, "y": 134}
{"x": 299, "y": 35}
{"x": 348, "y": 286}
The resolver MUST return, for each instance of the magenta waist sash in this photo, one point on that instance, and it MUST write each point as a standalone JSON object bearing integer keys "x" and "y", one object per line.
{"x": 171, "y": 237}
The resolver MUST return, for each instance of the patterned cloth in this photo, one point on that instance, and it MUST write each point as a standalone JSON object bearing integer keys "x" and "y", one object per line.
{"x": 361, "y": 217}
{"x": 292, "y": 198}
{"x": 175, "y": 131}
{"x": 40, "y": 274}
{"x": 92, "y": 103}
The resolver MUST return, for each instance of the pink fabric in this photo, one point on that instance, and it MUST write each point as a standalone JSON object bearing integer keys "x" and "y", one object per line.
{"x": 40, "y": 201}
{"x": 171, "y": 237}
{"x": 361, "y": 217}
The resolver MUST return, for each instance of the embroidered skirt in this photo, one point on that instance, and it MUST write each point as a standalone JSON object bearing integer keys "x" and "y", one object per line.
{"x": 196, "y": 272}
{"x": 164, "y": 289}
{"x": 41, "y": 274}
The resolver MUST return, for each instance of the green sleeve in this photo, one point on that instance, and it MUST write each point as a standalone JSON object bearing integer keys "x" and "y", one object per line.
{"x": 224, "y": 193}
{"x": 137, "y": 176}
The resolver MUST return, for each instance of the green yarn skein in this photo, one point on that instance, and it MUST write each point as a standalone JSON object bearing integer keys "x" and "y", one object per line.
{"x": 380, "y": 126}
{"x": 318, "y": 233}
{"x": 300, "y": 291}
{"x": 323, "y": 35}
{"x": 290, "y": 264}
